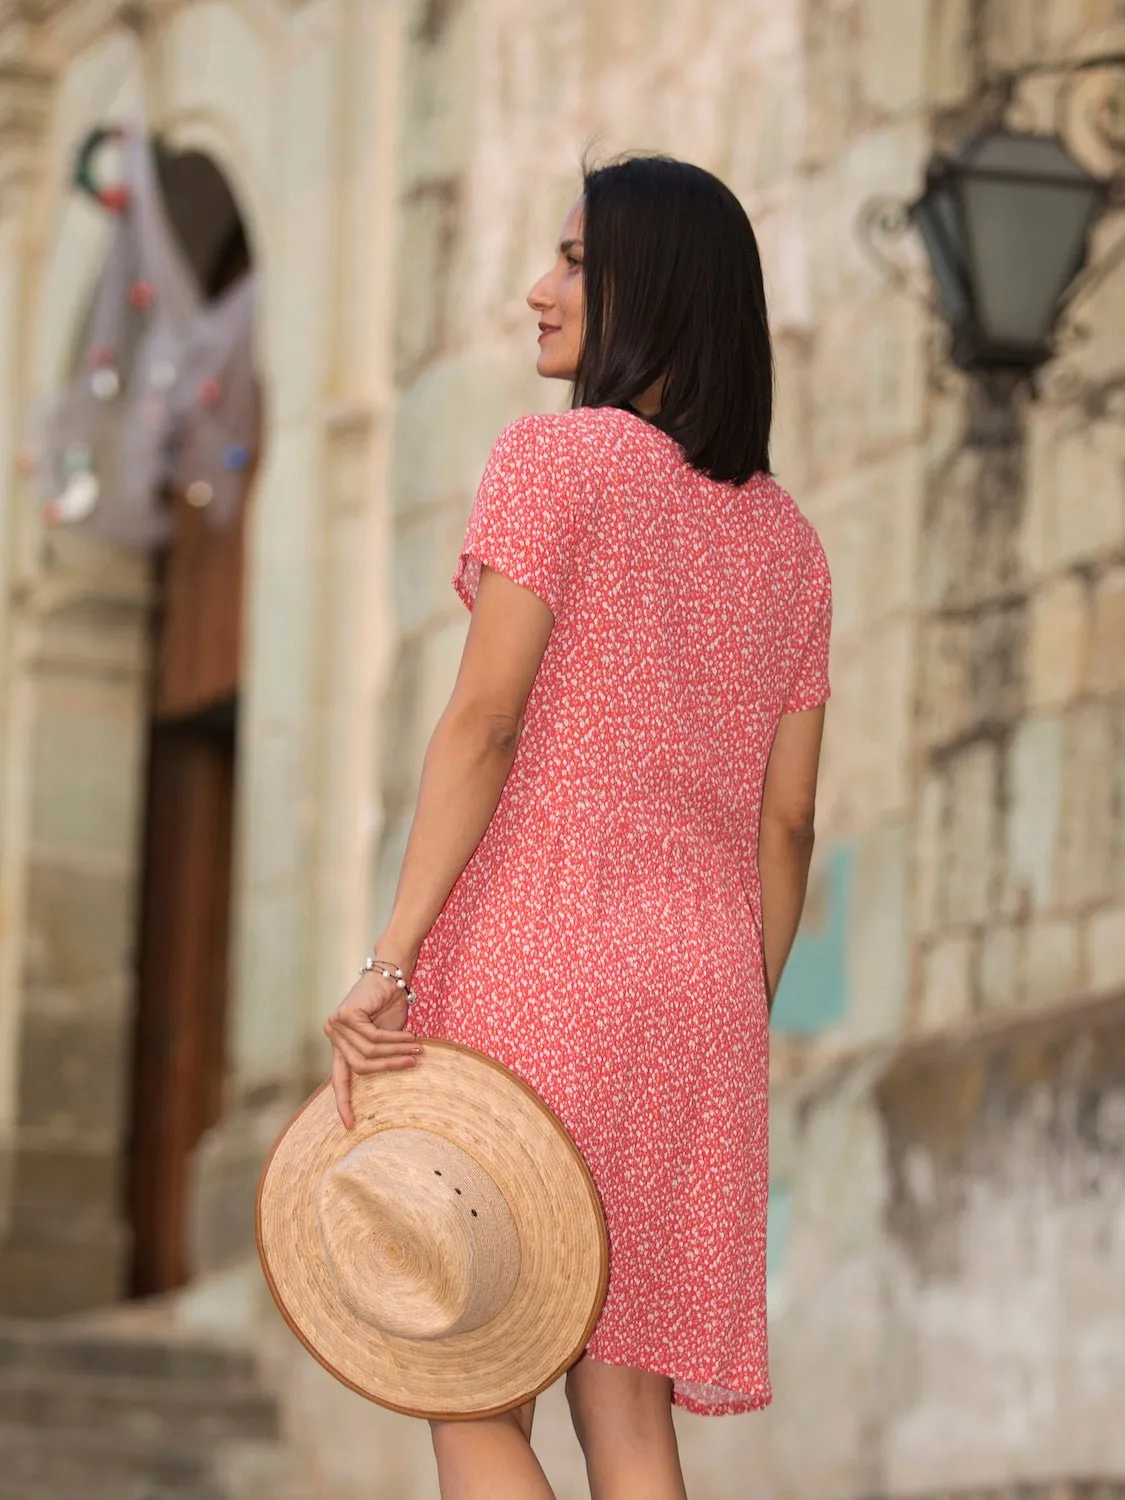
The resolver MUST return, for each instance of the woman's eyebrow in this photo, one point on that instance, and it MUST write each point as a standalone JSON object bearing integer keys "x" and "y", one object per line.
{"x": 566, "y": 246}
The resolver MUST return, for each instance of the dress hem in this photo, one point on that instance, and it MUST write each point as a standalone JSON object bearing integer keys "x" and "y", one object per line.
{"x": 738, "y": 1403}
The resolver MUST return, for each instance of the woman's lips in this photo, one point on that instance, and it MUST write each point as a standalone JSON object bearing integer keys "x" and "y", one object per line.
{"x": 545, "y": 329}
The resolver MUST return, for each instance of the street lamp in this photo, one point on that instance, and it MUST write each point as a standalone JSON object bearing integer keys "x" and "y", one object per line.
{"x": 1006, "y": 221}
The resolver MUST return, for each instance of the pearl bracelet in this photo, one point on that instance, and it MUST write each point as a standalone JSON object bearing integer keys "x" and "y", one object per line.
{"x": 383, "y": 966}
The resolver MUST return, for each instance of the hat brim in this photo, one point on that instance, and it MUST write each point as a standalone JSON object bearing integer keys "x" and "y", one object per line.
{"x": 564, "y": 1251}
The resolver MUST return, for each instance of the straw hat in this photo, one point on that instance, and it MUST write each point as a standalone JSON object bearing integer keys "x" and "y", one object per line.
{"x": 447, "y": 1257}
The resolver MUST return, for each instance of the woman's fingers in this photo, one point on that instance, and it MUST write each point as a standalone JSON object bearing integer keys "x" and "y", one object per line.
{"x": 342, "y": 1088}
{"x": 363, "y": 1057}
{"x": 377, "y": 1043}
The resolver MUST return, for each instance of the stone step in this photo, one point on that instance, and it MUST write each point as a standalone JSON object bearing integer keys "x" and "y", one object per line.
{"x": 66, "y": 1459}
{"x": 142, "y": 1490}
{"x": 171, "y": 1409}
{"x": 54, "y": 1349}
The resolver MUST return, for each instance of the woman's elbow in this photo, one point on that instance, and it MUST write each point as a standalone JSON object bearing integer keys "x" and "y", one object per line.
{"x": 795, "y": 826}
{"x": 491, "y": 731}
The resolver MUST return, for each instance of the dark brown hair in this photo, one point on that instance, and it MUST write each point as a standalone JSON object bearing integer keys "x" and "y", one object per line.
{"x": 674, "y": 289}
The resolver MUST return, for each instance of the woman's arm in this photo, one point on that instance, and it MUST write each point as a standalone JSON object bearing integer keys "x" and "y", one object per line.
{"x": 466, "y": 765}
{"x": 469, "y": 756}
{"x": 785, "y": 838}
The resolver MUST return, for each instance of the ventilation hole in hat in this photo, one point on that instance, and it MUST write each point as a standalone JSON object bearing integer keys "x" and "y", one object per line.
{"x": 474, "y": 1213}
{"x": 436, "y": 1172}
{"x": 457, "y": 1191}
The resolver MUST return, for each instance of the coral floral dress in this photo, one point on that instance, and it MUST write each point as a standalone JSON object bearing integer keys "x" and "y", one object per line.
{"x": 605, "y": 939}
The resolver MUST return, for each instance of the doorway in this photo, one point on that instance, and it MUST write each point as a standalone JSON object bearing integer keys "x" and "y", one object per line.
{"x": 179, "y": 1054}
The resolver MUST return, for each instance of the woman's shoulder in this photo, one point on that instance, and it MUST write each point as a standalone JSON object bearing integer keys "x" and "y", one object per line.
{"x": 584, "y": 432}
{"x": 792, "y": 530}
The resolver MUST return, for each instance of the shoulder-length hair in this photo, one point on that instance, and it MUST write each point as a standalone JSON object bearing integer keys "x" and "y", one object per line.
{"x": 673, "y": 285}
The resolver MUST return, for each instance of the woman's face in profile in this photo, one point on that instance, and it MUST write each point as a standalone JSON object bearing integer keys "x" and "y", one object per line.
{"x": 559, "y": 299}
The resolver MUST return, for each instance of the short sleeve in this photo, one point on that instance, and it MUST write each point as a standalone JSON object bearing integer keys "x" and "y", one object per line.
{"x": 521, "y": 521}
{"x": 812, "y": 627}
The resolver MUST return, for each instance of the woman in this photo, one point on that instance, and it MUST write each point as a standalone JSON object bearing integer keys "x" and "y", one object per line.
{"x": 610, "y": 849}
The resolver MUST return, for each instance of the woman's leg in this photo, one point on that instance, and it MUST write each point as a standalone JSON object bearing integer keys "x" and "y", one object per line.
{"x": 623, "y": 1419}
{"x": 490, "y": 1459}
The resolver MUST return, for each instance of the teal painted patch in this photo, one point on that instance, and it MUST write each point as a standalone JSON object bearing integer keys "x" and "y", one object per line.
{"x": 813, "y": 993}
{"x": 777, "y": 1228}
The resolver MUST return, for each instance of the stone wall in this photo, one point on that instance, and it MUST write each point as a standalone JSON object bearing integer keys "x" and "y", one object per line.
{"x": 404, "y": 169}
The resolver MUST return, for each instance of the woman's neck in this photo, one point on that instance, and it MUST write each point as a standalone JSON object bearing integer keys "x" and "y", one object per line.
{"x": 648, "y": 403}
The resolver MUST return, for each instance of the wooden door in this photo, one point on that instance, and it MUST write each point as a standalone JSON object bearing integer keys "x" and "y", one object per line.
{"x": 179, "y": 1055}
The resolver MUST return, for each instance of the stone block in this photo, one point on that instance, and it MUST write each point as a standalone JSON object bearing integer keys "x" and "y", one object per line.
{"x": 1102, "y": 314}
{"x": 949, "y": 56}
{"x": 1033, "y": 808}
{"x": 1087, "y": 863}
{"x": 79, "y": 926}
{"x": 403, "y": 735}
{"x": 275, "y": 1011}
{"x": 447, "y": 420}
{"x": 888, "y": 161}
{"x": 1003, "y": 1152}
{"x": 1000, "y": 968}
{"x": 1065, "y": 21}
{"x": 868, "y": 521}
{"x": 1089, "y": 511}
{"x": 945, "y": 693}
{"x": 947, "y": 983}
{"x": 1053, "y": 971}
{"x": 973, "y": 522}
{"x": 836, "y": 413}
{"x": 866, "y": 769}
{"x": 930, "y": 831}
{"x": 831, "y": 79}
{"x": 223, "y": 1179}
{"x": 885, "y": 744}
{"x": 1036, "y": 545}
{"x": 1010, "y": 34}
{"x": 878, "y": 933}
{"x": 1105, "y": 949}
{"x": 998, "y": 666}
{"x": 1107, "y": 644}
{"x": 96, "y": 636}
{"x": 1059, "y": 642}
{"x": 442, "y": 649}
{"x": 949, "y": 574}
{"x": 788, "y": 440}
{"x": 219, "y": 66}
{"x": 68, "y": 1177}
{"x": 55, "y": 1266}
{"x": 87, "y": 750}
{"x": 768, "y": 137}
{"x": 894, "y": 350}
{"x": 778, "y": 219}
{"x": 429, "y": 237}
{"x": 438, "y": 104}
{"x": 893, "y": 40}
{"x": 74, "y": 1075}
{"x": 425, "y": 551}
{"x": 972, "y": 858}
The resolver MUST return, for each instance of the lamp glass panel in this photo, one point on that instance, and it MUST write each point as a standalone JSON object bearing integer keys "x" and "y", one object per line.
{"x": 1026, "y": 241}
{"x": 939, "y": 224}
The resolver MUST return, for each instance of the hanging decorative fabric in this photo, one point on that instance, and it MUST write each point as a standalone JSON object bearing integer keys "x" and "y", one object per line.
{"x": 216, "y": 405}
{"x": 166, "y": 398}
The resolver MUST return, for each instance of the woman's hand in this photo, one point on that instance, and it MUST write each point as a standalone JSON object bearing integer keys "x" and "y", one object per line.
{"x": 368, "y": 1035}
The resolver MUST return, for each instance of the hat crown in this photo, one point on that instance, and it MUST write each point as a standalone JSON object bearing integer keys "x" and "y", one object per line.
{"x": 417, "y": 1236}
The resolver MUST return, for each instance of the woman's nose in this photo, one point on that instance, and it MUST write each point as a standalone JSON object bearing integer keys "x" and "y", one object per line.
{"x": 539, "y": 298}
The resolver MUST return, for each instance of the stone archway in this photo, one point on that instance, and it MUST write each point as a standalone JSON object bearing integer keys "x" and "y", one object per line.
{"x": 82, "y": 724}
